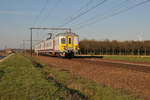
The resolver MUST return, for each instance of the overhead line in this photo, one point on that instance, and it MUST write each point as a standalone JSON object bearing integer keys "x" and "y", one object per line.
{"x": 118, "y": 6}
{"x": 58, "y": 2}
{"x": 83, "y": 13}
{"x": 79, "y": 10}
{"x": 41, "y": 11}
{"x": 114, "y": 14}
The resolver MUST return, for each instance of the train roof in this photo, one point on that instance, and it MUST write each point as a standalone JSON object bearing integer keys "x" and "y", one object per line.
{"x": 59, "y": 34}
{"x": 64, "y": 34}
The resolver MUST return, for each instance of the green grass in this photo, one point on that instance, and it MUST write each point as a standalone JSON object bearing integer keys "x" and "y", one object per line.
{"x": 129, "y": 58}
{"x": 23, "y": 79}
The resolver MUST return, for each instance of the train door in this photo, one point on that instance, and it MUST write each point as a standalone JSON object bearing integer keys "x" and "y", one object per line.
{"x": 70, "y": 42}
{"x": 53, "y": 46}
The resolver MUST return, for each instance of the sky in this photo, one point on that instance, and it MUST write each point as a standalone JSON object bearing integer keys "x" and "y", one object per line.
{"x": 90, "y": 19}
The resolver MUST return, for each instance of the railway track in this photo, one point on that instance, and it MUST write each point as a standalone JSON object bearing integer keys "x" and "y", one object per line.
{"x": 119, "y": 64}
{"x": 141, "y": 67}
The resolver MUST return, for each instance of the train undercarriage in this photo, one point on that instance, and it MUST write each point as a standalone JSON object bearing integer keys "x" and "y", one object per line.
{"x": 68, "y": 54}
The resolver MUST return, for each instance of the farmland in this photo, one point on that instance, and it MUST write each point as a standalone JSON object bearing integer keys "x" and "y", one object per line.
{"x": 26, "y": 78}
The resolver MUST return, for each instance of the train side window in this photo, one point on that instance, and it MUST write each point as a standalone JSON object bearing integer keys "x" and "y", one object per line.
{"x": 62, "y": 40}
{"x": 69, "y": 40}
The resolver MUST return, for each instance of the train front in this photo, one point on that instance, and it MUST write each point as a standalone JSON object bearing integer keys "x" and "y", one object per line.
{"x": 69, "y": 44}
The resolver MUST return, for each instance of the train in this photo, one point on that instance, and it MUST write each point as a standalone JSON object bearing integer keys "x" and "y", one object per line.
{"x": 61, "y": 44}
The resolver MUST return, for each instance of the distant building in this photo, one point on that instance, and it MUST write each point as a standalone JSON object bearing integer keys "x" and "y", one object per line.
{"x": 8, "y": 51}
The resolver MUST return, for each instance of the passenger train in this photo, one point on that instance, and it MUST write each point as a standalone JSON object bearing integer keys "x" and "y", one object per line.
{"x": 62, "y": 44}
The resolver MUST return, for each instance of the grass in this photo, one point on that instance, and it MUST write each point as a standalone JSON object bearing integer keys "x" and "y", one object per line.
{"x": 129, "y": 58}
{"x": 21, "y": 80}
{"x": 25, "y": 79}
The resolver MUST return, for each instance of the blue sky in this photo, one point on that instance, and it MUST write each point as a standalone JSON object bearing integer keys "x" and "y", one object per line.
{"x": 17, "y": 16}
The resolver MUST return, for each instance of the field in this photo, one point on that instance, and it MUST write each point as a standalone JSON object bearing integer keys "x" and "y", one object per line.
{"x": 22, "y": 78}
{"x": 129, "y": 58}
{"x": 131, "y": 77}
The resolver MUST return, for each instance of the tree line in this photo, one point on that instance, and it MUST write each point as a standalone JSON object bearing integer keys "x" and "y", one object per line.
{"x": 114, "y": 47}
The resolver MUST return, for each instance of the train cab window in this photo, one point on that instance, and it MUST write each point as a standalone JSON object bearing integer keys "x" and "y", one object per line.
{"x": 62, "y": 40}
{"x": 69, "y": 40}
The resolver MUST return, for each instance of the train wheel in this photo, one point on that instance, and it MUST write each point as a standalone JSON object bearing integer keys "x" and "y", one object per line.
{"x": 66, "y": 55}
{"x": 69, "y": 55}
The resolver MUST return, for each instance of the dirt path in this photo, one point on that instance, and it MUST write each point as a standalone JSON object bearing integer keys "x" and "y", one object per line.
{"x": 129, "y": 77}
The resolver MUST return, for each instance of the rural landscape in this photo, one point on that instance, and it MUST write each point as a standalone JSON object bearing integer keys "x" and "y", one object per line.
{"x": 75, "y": 50}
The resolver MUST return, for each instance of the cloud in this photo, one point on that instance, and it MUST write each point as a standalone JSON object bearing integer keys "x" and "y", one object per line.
{"x": 7, "y": 12}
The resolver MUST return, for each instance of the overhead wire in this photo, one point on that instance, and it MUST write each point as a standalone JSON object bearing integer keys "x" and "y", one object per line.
{"x": 112, "y": 8}
{"x": 80, "y": 9}
{"x": 83, "y": 13}
{"x": 114, "y": 14}
{"x": 50, "y": 12}
{"x": 38, "y": 16}
{"x": 40, "y": 13}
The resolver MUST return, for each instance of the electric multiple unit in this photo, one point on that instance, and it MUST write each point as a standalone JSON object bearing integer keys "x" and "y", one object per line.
{"x": 64, "y": 44}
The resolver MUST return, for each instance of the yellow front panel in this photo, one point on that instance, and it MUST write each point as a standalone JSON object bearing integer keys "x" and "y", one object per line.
{"x": 69, "y": 41}
{"x": 75, "y": 47}
{"x": 62, "y": 47}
